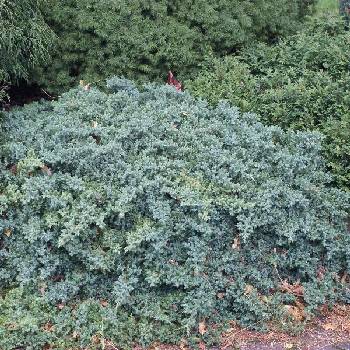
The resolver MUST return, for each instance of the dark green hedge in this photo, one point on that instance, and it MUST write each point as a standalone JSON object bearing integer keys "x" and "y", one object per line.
{"x": 142, "y": 40}
{"x": 135, "y": 216}
{"x": 25, "y": 40}
{"x": 302, "y": 83}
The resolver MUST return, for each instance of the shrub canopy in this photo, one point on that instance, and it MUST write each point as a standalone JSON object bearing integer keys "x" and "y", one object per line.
{"x": 25, "y": 39}
{"x": 301, "y": 83}
{"x": 142, "y": 40}
{"x": 150, "y": 212}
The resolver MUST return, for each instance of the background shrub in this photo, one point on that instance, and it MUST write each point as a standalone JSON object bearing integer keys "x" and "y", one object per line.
{"x": 25, "y": 40}
{"x": 301, "y": 83}
{"x": 142, "y": 40}
{"x": 135, "y": 215}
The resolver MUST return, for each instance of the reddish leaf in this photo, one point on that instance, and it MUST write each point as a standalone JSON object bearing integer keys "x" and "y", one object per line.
{"x": 172, "y": 81}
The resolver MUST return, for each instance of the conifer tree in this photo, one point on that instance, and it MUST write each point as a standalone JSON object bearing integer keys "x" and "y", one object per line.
{"x": 25, "y": 39}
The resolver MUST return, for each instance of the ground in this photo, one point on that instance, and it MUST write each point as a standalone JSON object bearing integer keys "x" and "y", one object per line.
{"x": 330, "y": 331}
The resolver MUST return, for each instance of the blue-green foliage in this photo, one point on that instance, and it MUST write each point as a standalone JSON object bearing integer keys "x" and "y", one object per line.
{"x": 171, "y": 211}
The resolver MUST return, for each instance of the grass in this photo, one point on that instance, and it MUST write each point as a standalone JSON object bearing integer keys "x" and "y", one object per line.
{"x": 327, "y": 6}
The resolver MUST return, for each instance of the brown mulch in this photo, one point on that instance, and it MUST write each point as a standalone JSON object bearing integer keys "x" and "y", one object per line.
{"x": 330, "y": 331}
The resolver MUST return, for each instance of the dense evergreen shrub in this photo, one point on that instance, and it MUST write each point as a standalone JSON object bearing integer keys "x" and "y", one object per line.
{"x": 137, "y": 215}
{"x": 144, "y": 39}
{"x": 25, "y": 39}
{"x": 301, "y": 83}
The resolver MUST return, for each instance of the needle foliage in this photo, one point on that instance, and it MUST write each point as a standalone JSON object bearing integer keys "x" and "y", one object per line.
{"x": 138, "y": 215}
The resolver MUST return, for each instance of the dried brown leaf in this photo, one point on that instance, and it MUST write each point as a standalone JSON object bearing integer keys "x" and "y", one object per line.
{"x": 248, "y": 289}
{"x": 60, "y": 306}
{"x": 294, "y": 312}
{"x": 329, "y": 327}
{"x": 8, "y": 232}
{"x": 75, "y": 335}
{"x": 46, "y": 170}
{"x": 48, "y": 327}
{"x": 236, "y": 245}
{"x": 202, "y": 327}
{"x": 296, "y": 288}
{"x": 220, "y": 295}
{"x": 104, "y": 303}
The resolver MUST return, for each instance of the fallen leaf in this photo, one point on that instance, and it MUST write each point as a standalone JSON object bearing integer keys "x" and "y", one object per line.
{"x": 320, "y": 273}
{"x": 42, "y": 289}
{"x": 48, "y": 327}
{"x": 296, "y": 288}
{"x": 301, "y": 308}
{"x": 248, "y": 289}
{"x": 95, "y": 339}
{"x": 8, "y": 232}
{"x": 47, "y": 347}
{"x": 183, "y": 344}
{"x": 104, "y": 303}
{"x": 173, "y": 262}
{"x": 110, "y": 346}
{"x": 329, "y": 327}
{"x": 13, "y": 169}
{"x": 201, "y": 346}
{"x": 46, "y": 170}
{"x": 60, "y": 306}
{"x": 264, "y": 299}
{"x": 344, "y": 278}
{"x": 83, "y": 85}
{"x": 12, "y": 326}
{"x": 294, "y": 312}
{"x": 236, "y": 245}
{"x": 220, "y": 295}
{"x": 75, "y": 335}
{"x": 288, "y": 346}
{"x": 202, "y": 328}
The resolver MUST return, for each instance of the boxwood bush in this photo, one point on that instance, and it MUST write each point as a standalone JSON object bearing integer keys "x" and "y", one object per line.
{"x": 142, "y": 40}
{"x": 141, "y": 215}
{"x": 302, "y": 83}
